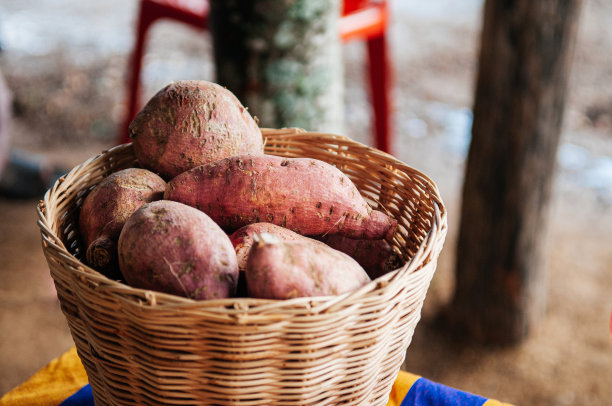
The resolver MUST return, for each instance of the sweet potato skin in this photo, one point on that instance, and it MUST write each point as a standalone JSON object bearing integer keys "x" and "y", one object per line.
{"x": 190, "y": 123}
{"x": 107, "y": 207}
{"x": 173, "y": 248}
{"x": 289, "y": 269}
{"x": 308, "y": 196}
{"x": 375, "y": 256}
{"x": 244, "y": 238}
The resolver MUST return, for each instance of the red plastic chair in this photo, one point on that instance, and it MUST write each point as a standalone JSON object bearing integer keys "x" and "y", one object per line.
{"x": 361, "y": 20}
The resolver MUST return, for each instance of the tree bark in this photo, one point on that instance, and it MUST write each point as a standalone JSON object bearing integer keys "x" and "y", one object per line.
{"x": 525, "y": 56}
{"x": 282, "y": 59}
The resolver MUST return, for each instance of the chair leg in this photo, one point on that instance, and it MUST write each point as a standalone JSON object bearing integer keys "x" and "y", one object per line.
{"x": 145, "y": 20}
{"x": 380, "y": 88}
{"x": 149, "y": 12}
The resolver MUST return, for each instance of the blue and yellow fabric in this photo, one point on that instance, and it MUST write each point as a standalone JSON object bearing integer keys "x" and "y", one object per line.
{"x": 63, "y": 382}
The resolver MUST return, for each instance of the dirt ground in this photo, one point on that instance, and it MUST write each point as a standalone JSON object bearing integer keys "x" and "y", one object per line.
{"x": 69, "y": 101}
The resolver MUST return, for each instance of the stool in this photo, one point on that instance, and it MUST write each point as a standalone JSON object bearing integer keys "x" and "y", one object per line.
{"x": 364, "y": 20}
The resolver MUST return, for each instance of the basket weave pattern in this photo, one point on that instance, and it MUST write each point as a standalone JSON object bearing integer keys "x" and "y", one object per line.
{"x": 148, "y": 348}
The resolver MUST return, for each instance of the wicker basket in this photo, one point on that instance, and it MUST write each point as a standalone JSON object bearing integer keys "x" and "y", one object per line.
{"x": 146, "y": 348}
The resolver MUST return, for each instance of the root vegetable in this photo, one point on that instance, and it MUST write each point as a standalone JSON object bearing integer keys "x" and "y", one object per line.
{"x": 190, "y": 123}
{"x": 244, "y": 238}
{"x": 105, "y": 210}
{"x": 286, "y": 269}
{"x": 308, "y": 196}
{"x": 375, "y": 256}
{"x": 173, "y": 248}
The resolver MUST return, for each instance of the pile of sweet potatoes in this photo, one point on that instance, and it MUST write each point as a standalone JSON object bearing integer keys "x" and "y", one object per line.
{"x": 208, "y": 215}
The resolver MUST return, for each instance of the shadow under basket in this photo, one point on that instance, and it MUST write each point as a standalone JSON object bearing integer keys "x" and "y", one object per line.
{"x": 142, "y": 347}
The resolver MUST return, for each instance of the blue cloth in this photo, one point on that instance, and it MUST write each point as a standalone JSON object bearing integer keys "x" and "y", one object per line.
{"x": 422, "y": 393}
{"x": 428, "y": 393}
{"x": 83, "y": 397}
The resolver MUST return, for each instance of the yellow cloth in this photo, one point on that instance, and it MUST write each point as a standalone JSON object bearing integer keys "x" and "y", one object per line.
{"x": 400, "y": 388}
{"x": 39, "y": 390}
{"x": 493, "y": 402}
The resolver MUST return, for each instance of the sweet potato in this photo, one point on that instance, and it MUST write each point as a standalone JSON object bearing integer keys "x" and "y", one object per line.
{"x": 190, "y": 123}
{"x": 173, "y": 248}
{"x": 286, "y": 269}
{"x": 375, "y": 256}
{"x": 244, "y": 238}
{"x": 308, "y": 196}
{"x": 105, "y": 210}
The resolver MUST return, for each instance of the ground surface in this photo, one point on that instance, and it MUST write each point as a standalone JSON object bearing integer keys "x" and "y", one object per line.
{"x": 66, "y": 62}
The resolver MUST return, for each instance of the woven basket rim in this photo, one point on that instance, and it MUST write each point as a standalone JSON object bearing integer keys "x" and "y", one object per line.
{"x": 239, "y": 305}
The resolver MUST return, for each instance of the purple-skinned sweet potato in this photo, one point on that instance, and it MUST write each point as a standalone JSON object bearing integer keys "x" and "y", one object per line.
{"x": 375, "y": 256}
{"x": 244, "y": 238}
{"x": 279, "y": 269}
{"x": 190, "y": 123}
{"x": 305, "y": 195}
{"x": 107, "y": 207}
{"x": 173, "y": 248}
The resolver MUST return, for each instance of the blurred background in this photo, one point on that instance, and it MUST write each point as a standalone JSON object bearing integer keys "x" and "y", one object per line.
{"x": 66, "y": 63}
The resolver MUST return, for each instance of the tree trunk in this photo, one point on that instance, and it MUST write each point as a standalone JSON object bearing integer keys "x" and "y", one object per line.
{"x": 526, "y": 52}
{"x": 282, "y": 59}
